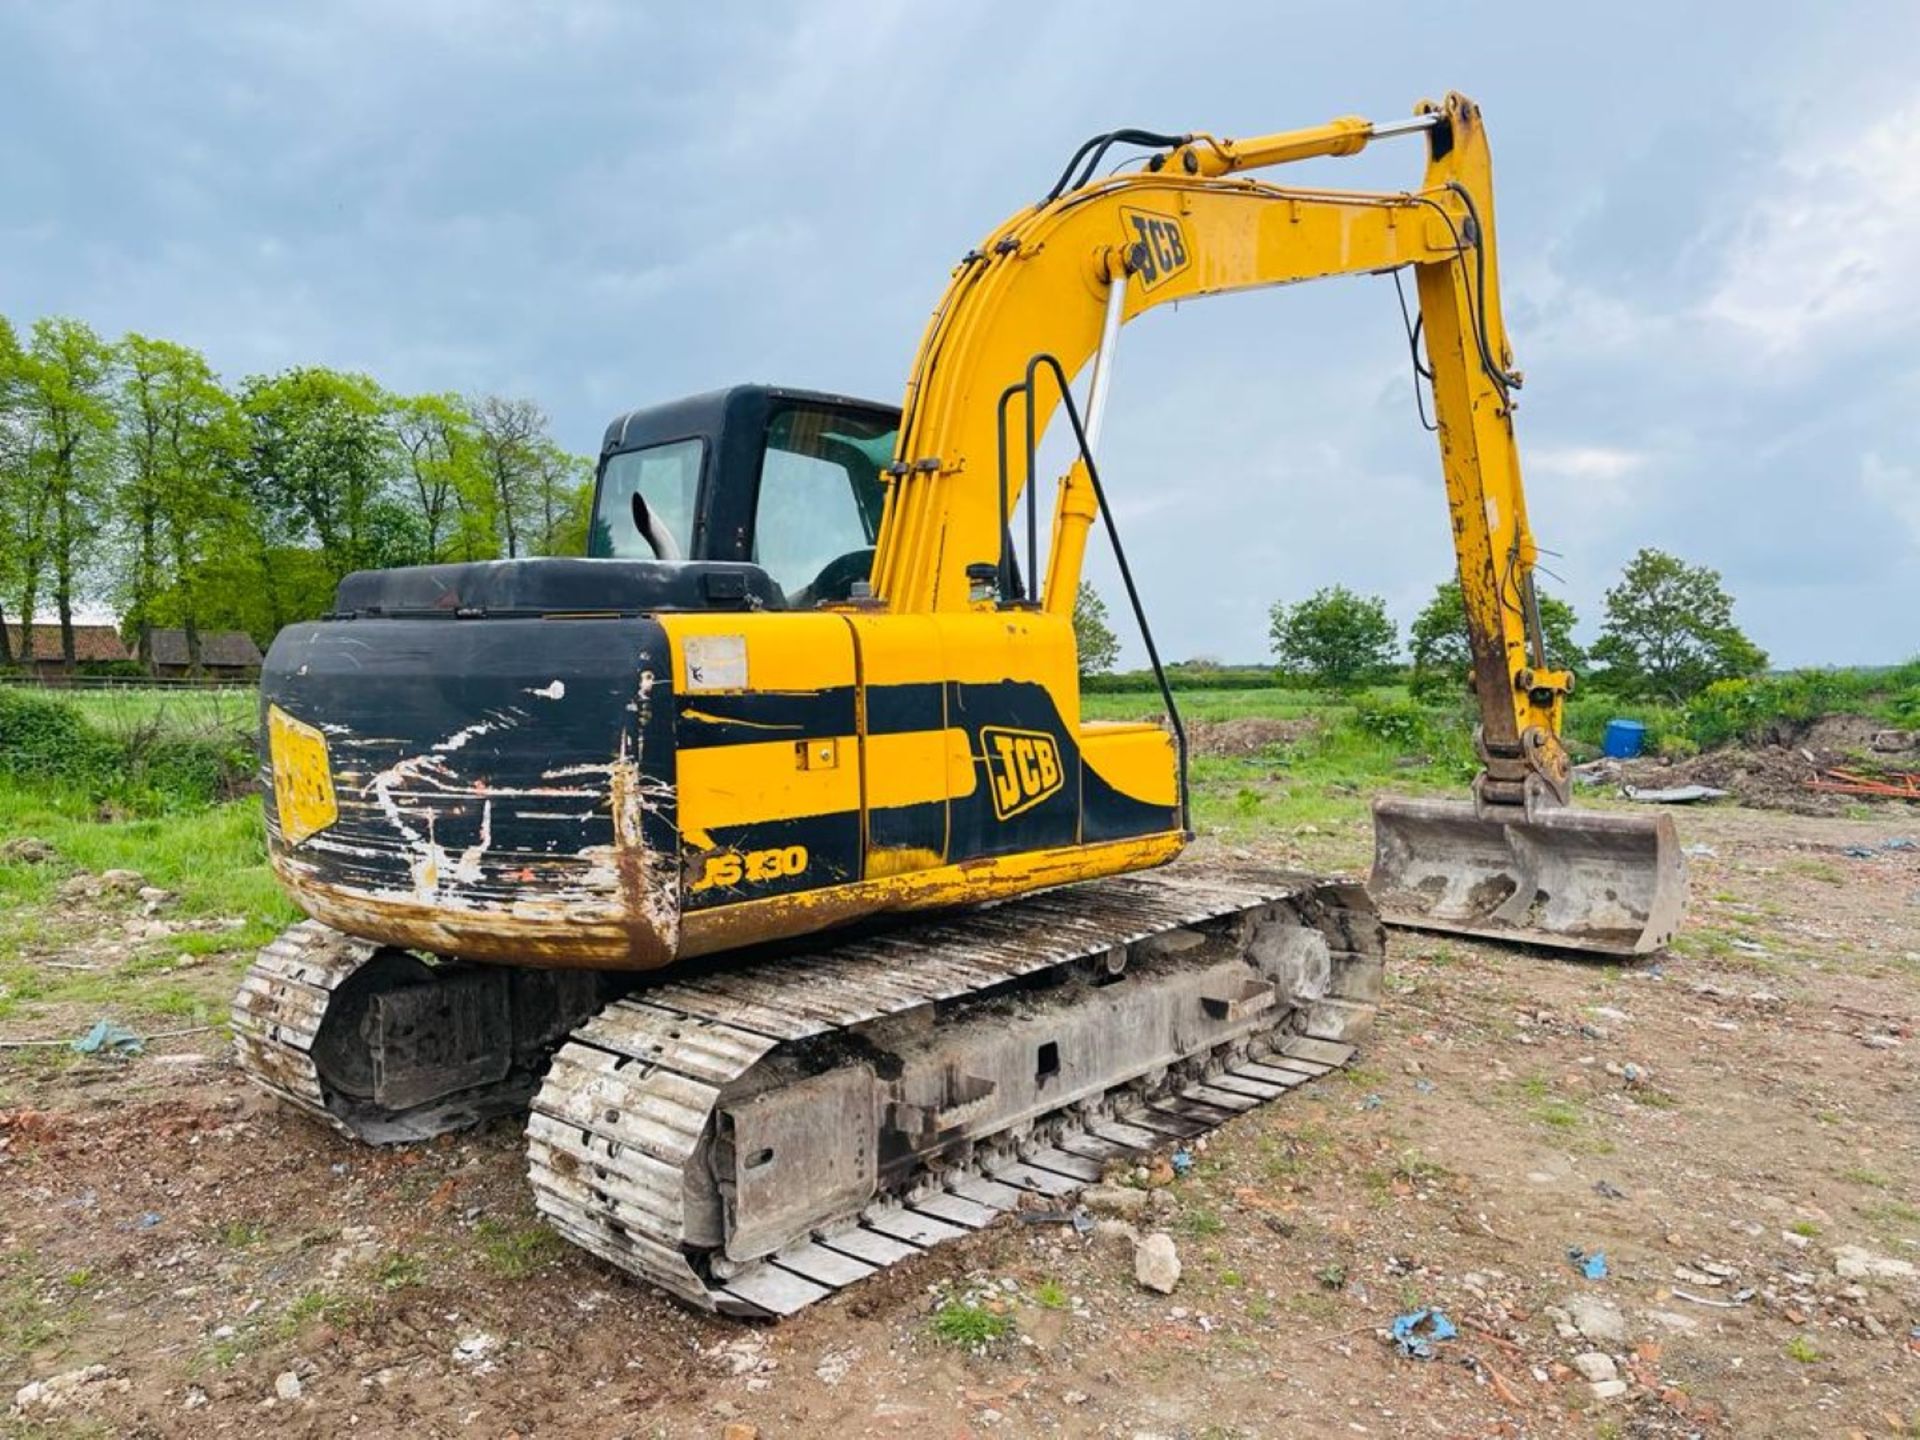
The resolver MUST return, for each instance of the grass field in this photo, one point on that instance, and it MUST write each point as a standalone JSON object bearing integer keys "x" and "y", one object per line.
{"x": 181, "y": 711}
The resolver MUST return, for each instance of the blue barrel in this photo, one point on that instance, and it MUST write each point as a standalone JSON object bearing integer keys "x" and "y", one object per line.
{"x": 1625, "y": 739}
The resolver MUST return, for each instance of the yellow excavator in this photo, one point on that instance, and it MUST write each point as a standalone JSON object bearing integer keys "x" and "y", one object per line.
{"x": 762, "y": 857}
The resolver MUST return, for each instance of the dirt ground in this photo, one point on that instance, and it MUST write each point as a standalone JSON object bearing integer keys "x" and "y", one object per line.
{"x": 1722, "y": 1123}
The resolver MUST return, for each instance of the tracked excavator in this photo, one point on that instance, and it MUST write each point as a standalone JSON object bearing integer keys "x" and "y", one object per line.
{"x": 763, "y": 858}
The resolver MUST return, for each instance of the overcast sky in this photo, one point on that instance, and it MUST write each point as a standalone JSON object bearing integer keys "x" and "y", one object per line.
{"x": 1709, "y": 218}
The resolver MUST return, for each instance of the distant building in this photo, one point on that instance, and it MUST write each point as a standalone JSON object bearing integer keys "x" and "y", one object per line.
{"x": 91, "y": 643}
{"x": 224, "y": 654}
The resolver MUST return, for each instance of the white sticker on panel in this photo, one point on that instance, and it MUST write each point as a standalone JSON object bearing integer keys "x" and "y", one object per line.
{"x": 716, "y": 662}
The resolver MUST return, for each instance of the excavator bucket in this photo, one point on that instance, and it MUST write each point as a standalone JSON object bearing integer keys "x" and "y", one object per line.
{"x": 1576, "y": 879}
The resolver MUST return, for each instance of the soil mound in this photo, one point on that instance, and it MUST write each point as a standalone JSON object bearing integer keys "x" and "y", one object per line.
{"x": 1247, "y": 737}
{"x": 1774, "y": 776}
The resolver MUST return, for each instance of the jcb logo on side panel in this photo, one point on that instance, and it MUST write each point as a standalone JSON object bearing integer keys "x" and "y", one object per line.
{"x": 1024, "y": 767}
{"x": 1157, "y": 244}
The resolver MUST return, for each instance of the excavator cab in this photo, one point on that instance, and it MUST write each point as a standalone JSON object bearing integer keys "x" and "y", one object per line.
{"x": 788, "y": 480}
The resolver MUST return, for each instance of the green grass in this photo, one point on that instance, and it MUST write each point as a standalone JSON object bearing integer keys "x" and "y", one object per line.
{"x": 1200, "y": 1224}
{"x": 323, "y": 1307}
{"x": 1271, "y": 702}
{"x": 516, "y": 1252}
{"x": 1803, "y": 1351}
{"x": 171, "y": 710}
{"x": 1050, "y": 1295}
{"x": 969, "y": 1326}
{"x": 213, "y": 861}
{"x": 29, "y": 1320}
{"x": 1362, "y": 743}
{"x": 1894, "y": 1214}
{"x": 400, "y": 1271}
{"x": 1557, "y": 1114}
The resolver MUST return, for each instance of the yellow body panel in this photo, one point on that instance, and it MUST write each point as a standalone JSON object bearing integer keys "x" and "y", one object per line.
{"x": 969, "y": 883}
{"x": 782, "y": 652}
{"x": 1137, "y": 760}
{"x": 919, "y": 766}
{"x": 768, "y": 780}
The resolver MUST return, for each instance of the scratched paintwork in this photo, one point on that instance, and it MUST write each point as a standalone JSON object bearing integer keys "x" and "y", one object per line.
{"x": 486, "y": 806}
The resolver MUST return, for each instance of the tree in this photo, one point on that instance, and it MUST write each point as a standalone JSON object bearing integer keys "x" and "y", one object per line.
{"x": 15, "y": 446}
{"x": 511, "y": 433}
{"x": 1669, "y": 630}
{"x": 1437, "y": 641}
{"x": 1335, "y": 637}
{"x": 449, "y": 488}
{"x": 321, "y": 460}
{"x": 1093, "y": 637}
{"x": 66, "y": 394}
{"x": 183, "y": 437}
{"x": 563, "y": 491}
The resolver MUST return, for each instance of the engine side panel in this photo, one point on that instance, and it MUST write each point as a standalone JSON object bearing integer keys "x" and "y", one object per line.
{"x": 502, "y": 788}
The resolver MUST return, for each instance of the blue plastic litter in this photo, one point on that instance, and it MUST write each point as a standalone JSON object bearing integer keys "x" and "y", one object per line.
{"x": 1182, "y": 1161}
{"x": 1425, "y": 1086}
{"x": 150, "y": 1219}
{"x": 105, "y": 1035}
{"x": 1372, "y": 1102}
{"x": 1593, "y": 1266}
{"x": 1417, "y": 1331}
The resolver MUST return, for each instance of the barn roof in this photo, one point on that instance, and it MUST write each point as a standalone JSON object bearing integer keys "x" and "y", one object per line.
{"x": 90, "y": 642}
{"x": 217, "y": 647}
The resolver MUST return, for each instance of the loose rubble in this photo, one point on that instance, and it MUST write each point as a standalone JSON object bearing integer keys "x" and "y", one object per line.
{"x": 1156, "y": 1263}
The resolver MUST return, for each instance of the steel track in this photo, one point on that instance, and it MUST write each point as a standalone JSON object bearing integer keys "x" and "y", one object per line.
{"x": 629, "y": 1108}
{"x": 621, "y": 1132}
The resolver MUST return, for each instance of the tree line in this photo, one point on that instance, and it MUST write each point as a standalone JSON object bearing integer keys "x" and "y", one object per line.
{"x": 132, "y": 475}
{"x": 1668, "y": 633}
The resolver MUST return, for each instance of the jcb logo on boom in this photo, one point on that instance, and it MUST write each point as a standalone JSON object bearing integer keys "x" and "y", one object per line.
{"x": 1023, "y": 766}
{"x": 1156, "y": 243}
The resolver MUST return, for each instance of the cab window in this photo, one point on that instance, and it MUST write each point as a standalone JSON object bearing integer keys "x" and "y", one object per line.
{"x": 819, "y": 501}
{"x": 667, "y": 480}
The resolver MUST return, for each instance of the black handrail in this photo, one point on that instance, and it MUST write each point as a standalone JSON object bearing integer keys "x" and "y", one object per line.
{"x": 1006, "y": 535}
{"x": 1113, "y": 537}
